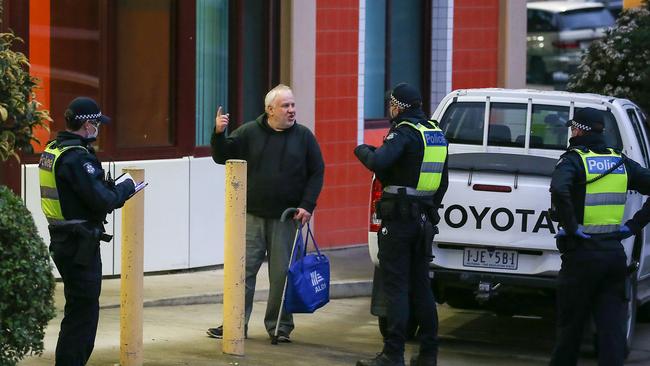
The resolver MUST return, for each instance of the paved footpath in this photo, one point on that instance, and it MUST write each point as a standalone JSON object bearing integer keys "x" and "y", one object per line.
{"x": 180, "y": 307}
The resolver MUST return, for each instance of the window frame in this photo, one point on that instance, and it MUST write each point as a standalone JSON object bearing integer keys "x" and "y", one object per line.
{"x": 425, "y": 84}
{"x": 183, "y": 139}
{"x": 639, "y": 132}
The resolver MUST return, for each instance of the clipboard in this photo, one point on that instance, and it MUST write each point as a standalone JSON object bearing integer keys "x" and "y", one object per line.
{"x": 138, "y": 187}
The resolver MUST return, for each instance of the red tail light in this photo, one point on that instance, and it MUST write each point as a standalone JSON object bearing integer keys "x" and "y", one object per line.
{"x": 566, "y": 45}
{"x": 375, "y": 195}
{"x": 491, "y": 188}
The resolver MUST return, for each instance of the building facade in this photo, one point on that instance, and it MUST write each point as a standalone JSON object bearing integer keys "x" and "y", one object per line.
{"x": 160, "y": 69}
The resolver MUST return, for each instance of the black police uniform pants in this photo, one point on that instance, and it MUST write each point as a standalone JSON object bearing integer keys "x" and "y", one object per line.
{"x": 81, "y": 286}
{"x": 591, "y": 282}
{"x": 404, "y": 268}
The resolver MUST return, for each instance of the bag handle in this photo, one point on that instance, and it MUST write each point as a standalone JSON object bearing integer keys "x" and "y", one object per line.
{"x": 301, "y": 249}
{"x": 313, "y": 240}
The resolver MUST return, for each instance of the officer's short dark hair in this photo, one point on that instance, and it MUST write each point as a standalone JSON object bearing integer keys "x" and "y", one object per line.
{"x": 72, "y": 123}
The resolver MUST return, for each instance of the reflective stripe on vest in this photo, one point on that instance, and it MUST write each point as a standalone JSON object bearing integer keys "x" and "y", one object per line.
{"x": 50, "y": 203}
{"x": 433, "y": 159}
{"x": 604, "y": 198}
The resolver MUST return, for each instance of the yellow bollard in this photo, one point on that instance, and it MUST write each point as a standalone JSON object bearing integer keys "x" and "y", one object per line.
{"x": 234, "y": 258}
{"x": 131, "y": 277}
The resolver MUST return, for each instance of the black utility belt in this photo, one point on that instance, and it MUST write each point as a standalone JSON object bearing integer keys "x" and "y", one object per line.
{"x": 83, "y": 230}
{"x": 403, "y": 209}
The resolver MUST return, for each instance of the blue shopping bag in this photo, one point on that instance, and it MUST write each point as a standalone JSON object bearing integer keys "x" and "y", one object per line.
{"x": 308, "y": 277}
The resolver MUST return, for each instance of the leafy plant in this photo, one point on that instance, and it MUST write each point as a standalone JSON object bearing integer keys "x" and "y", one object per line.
{"x": 19, "y": 110}
{"x": 26, "y": 282}
{"x": 619, "y": 64}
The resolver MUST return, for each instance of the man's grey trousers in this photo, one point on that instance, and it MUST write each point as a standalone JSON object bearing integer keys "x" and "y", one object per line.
{"x": 272, "y": 238}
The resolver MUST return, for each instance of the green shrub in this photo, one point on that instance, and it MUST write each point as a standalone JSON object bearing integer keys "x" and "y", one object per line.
{"x": 619, "y": 64}
{"x": 26, "y": 282}
{"x": 19, "y": 110}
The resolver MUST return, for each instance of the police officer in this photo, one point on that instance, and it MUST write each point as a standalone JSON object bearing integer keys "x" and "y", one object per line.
{"x": 75, "y": 198}
{"x": 588, "y": 191}
{"x": 411, "y": 164}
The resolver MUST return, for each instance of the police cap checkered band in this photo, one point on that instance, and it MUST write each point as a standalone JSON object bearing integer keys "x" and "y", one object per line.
{"x": 396, "y": 102}
{"x": 84, "y": 108}
{"x": 405, "y": 96}
{"x": 580, "y": 126}
{"x": 84, "y": 117}
{"x": 588, "y": 119}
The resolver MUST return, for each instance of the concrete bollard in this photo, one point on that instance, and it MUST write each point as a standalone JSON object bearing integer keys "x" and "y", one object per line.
{"x": 131, "y": 283}
{"x": 234, "y": 258}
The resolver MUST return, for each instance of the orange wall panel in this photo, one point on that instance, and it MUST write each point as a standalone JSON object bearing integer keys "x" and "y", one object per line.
{"x": 39, "y": 58}
{"x": 342, "y": 212}
{"x": 475, "y": 44}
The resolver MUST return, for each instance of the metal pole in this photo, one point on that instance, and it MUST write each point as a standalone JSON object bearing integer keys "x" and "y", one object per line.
{"x": 131, "y": 276}
{"x": 234, "y": 258}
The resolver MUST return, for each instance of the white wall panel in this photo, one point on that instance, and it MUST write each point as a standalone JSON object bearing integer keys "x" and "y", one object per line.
{"x": 166, "y": 229}
{"x": 184, "y": 213}
{"x": 206, "y": 218}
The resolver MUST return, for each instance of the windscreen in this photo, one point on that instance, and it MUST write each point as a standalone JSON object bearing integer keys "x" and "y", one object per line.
{"x": 585, "y": 19}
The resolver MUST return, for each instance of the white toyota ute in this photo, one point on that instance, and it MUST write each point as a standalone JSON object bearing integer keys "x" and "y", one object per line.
{"x": 496, "y": 248}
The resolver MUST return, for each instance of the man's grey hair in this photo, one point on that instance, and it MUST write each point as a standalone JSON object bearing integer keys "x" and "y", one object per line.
{"x": 273, "y": 93}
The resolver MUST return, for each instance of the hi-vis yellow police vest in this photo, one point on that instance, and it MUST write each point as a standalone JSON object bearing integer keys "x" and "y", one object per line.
{"x": 604, "y": 198}
{"x": 435, "y": 154}
{"x": 46, "y": 173}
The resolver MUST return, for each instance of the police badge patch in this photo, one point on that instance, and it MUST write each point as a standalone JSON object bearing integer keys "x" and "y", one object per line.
{"x": 90, "y": 169}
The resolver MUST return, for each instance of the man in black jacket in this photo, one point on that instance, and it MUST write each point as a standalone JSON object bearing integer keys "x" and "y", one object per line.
{"x": 411, "y": 164}
{"x": 285, "y": 169}
{"x": 588, "y": 191}
{"x": 75, "y": 198}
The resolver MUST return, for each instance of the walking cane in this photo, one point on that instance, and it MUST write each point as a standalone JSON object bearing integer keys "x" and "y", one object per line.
{"x": 288, "y": 212}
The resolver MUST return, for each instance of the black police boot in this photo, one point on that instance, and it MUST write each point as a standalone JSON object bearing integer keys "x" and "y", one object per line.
{"x": 417, "y": 360}
{"x": 380, "y": 360}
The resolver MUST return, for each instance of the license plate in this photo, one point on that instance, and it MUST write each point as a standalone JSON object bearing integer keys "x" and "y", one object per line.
{"x": 494, "y": 258}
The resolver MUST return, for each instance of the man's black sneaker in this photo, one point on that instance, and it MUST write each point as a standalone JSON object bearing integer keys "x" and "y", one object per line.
{"x": 283, "y": 338}
{"x": 218, "y": 332}
{"x": 380, "y": 360}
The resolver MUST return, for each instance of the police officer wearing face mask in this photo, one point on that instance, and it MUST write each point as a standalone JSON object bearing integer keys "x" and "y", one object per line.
{"x": 75, "y": 198}
{"x": 588, "y": 192}
{"x": 411, "y": 164}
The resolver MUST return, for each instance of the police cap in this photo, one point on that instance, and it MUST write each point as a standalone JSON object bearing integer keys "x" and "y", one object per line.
{"x": 588, "y": 119}
{"x": 405, "y": 96}
{"x": 84, "y": 108}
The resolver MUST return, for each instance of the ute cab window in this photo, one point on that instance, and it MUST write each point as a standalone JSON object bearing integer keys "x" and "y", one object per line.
{"x": 463, "y": 123}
